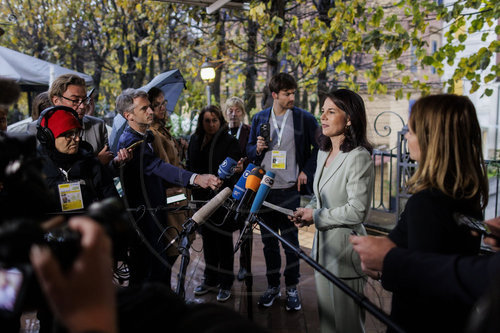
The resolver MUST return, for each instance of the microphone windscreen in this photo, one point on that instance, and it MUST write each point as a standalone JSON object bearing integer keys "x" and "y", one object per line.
{"x": 210, "y": 207}
{"x": 265, "y": 187}
{"x": 254, "y": 178}
{"x": 239, "y": 188}
{"x": 226, "y": 168}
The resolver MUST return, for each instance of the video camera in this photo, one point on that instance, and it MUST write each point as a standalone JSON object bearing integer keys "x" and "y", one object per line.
{"x": 25, "y": 201}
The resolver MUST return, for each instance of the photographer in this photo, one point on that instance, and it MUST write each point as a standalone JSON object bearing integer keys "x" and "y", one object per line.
{"x": 82, "y": 298}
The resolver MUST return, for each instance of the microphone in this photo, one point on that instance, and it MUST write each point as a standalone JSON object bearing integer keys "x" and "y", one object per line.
{"x": 200, "y": 217}
{"x": 226, "y": 168}
{"x": 210, "y": 207}
{"x": 239, "y": 188}
{"x": 238, "y": 191}
{"x": 251, "y": 186}
{"x": 265, "y": 186}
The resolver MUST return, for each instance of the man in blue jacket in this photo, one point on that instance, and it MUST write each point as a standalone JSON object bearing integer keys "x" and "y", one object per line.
{"x": 144, "y": 180}
{"x": 290, "y": 152}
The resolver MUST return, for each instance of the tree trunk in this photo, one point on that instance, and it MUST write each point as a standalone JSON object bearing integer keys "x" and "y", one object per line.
{"x": 274, "y": 47}
{"x": 323, "y": 6}
{"x": 221, "y": 52}
{"x": 251, "y": 70}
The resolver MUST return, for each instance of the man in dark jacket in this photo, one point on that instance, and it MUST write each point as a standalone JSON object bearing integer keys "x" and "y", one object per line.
{"x": 290, "y": 152}
{"x": 142, "y": 181}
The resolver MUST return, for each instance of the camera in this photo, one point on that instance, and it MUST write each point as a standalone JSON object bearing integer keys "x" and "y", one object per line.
{"x": 265, "y": 132}
{"x": 25, "y": 220}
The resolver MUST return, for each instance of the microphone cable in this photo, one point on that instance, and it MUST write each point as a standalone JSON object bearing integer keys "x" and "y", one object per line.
{"x": 147, "y": 205}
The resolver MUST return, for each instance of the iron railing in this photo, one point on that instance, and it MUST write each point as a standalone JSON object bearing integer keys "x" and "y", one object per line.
{"x": 393, "y": 169}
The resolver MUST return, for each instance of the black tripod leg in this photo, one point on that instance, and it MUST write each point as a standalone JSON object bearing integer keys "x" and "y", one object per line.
{"x": 183, "y": 247}
{"x": 359, "y": 299}
{"x": 247, "y": 254}
{"x": 182, "y": 276}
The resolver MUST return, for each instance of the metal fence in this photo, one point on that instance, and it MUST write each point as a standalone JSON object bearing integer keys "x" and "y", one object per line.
{"x": 393, "y": 169}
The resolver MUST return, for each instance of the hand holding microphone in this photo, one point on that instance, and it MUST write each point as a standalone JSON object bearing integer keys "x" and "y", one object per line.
{"x": 208, "y": 181}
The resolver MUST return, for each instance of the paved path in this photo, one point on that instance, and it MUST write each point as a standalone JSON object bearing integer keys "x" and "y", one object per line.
{"x": 275, "y": 318}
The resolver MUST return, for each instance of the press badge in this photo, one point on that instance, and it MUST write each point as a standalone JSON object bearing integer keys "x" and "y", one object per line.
{"x": 278, "y": 159}
{"x": 70, "y": 195}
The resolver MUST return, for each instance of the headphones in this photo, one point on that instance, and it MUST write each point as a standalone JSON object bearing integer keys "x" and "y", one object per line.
{"x": 43, "y": 133}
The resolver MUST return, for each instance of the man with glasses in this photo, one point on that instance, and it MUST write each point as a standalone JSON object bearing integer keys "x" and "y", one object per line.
{"x": 69, "y": 90}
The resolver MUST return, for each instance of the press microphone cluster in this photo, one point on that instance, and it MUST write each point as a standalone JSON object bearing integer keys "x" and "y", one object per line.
{"x": 238, "y": 192}
{"x": 252, "y": 185}
{"x": 265, "y": 186}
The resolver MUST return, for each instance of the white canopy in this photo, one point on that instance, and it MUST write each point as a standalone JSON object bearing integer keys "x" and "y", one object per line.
{"x": 31, "y": 71}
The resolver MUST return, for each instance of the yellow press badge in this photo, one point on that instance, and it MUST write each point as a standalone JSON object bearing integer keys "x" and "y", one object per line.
{"x": 278, "y": 159}
{"x": 70, "y": 195}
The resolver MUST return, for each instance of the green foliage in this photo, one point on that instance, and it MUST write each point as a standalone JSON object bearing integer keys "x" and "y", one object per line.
{"x": 365, "y": 45}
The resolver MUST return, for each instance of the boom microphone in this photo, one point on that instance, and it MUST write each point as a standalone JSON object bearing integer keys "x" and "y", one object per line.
{"x": 210, "y": 207}
{"x": 251, "y": 186}
{"x": 226, "y": 168}
{"x": 200, "y": 217}
{"x": 203, "y": 214}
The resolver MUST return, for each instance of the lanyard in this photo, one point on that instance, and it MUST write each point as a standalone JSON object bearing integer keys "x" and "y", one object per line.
{"x": 237, "y": 133}
{"x": 65, "y": 174}
{"x": 279, "y": 131}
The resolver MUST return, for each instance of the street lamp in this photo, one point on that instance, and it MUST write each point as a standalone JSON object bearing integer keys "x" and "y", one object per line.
{"x": 207, "y": 74}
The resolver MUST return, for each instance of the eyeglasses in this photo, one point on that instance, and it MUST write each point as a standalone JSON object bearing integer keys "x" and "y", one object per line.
{"x": 77, "y": 102}
{"x": 72, "y": 135}
{"x": 164, "y": 103}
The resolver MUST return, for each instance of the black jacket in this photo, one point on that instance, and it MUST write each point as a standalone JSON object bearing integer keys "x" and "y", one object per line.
{"x": 207, "y": 160}
{"x": 96, "y": 181}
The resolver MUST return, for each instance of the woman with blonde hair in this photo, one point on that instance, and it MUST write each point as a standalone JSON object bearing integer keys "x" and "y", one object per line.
{"x": 444, "y": 137}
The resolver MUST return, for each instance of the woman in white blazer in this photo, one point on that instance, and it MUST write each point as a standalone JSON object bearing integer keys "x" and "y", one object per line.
{"x": 342, "y": 192}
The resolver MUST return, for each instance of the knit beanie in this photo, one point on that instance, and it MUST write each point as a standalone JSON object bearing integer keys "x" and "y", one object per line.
{"x": 60, "y": 122}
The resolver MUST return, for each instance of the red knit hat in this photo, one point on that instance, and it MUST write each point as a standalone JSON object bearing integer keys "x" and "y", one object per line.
{"x": 60, "y": 122}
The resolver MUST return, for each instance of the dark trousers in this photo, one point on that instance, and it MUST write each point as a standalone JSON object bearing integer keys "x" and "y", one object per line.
{"x": 145, "y": 266}
{"x": 280, "y": 223}
{"x": 219, "y": 256}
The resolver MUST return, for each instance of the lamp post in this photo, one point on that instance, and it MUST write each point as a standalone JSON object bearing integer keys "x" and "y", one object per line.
{"x": 207, "y": 74}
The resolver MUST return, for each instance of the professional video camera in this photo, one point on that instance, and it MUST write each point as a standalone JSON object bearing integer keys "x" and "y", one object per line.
{"x": 25, "y": 220}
